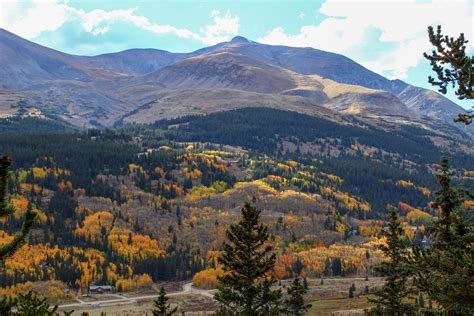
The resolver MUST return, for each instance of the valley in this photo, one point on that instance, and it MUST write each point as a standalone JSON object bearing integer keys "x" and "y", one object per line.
{"x": 140, "y": 171}
{"x": 145, "y": 204}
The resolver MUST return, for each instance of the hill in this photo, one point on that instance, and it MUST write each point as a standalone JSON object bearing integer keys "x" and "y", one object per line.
{"x": 148, "y": 203}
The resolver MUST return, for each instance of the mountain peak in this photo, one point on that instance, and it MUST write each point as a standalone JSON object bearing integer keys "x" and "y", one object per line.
{"x": 239, "y": 39}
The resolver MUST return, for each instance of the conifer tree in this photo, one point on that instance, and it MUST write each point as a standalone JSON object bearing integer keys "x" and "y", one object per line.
{"x": 161, "y": 306}
{"x": 28, "y": 305}
{"x": 7, "y": 209}
{"x": 247, "y": 259}
{"x": 421, "y": 301}
{"x": 390, "y": 298}
{"x": 294, "y": 302}
{"x": 352, "y": 290}
{"x": 452, "y": 67}
{"x": 444, "y": 270}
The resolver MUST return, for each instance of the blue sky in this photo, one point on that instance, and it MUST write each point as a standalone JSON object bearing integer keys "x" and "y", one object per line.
{"x": 387, "y": 37}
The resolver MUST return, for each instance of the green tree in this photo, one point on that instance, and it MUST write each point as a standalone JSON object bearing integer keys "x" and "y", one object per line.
{"x": 421, "y": 301}
{"x": 161, "y": 306}
{"x": 246, "y": 287}
{"x": 294, "y": 302}
{"x": 352, "y": 290}
{"x": 28, "y": 305}
{"x": 444, "y": 270}
{"x": 6, "y": 209}
{"x": 389, "y": 299}
{"x": 452, "y": 66}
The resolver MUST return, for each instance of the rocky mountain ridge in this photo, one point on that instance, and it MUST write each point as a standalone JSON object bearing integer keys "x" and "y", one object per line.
{"x": 145, "y": 85}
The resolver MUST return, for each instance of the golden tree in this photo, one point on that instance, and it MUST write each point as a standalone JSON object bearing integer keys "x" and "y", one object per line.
{"x": 7, "y": 209}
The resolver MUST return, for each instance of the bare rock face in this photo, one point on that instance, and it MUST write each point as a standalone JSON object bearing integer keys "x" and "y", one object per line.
{"x": 101, "y": 90}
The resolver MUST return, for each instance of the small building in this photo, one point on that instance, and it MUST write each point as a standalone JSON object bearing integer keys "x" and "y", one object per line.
{"x": 100, "y": 289}
{"x": 425, "y": 243}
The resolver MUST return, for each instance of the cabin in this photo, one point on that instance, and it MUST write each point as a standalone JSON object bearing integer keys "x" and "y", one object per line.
{"x": 101, "y": 289}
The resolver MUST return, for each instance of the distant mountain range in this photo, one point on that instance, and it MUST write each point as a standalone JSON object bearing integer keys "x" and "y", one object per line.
{"x": 146, "y": 85}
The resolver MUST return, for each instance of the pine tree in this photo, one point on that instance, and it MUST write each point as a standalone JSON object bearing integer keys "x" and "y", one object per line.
{"x": 294, "y": 302}
{"x": 6, "y": 209}
{"x": 247, "y": 260}
{"x": 351, "y": 291}
{"x": 452, "y": 66}
{"x": 161, "y": 306}
{"x": 421, "y": 301}
{"x": 389, "y": 299}
{"x": 28, "y": 305}
{"x": 444, "y": 270}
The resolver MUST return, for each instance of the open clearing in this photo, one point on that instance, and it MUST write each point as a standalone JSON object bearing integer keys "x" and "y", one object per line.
{"x": 327, "y": 298}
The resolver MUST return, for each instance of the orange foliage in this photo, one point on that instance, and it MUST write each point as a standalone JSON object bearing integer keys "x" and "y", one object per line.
{"x": 419, "y": 217}
{"x": 469, "y": 204}
{"x": 138, "y": 246}
{"x": 405, "y": 207}
{"x": 207, "y": 279}
{"x": 137, "y": 281}
{"x": 53, "y": 290}
{"x": 177, "y": 189}
{"x": 404, "y": 183}
{"x": 20, "y": 203}
{"x": 159, "y": 171}
{"x": 94, "y": 224}
{"x": 349, "y": 202}
{"x": 371, "y": 229}
{"x": 26, "y": 187}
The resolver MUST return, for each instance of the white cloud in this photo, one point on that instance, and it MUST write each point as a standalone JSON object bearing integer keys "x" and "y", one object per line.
{"x": 99, "y": 22}
{"x": 224, "y": 27}
{"x": 395, "y": 64}
{"x": 31, "y": 19}
{"x": 401, "y": 23}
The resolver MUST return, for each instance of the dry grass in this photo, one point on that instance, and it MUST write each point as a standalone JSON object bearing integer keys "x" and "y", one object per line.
{"x": 345, "y": 306}
{"x": 191, "y": 304}
{"x": 333, "y": 295}
{"x": 328, "y": 298}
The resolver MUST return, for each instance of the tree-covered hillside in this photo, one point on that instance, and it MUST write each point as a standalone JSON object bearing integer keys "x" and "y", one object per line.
{"x": 144, "y": 203}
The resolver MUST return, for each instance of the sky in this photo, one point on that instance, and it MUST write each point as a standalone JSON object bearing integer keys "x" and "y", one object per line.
{"x": 387, "y": 37}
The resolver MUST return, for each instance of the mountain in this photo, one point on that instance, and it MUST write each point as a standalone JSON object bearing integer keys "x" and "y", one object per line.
{"x": 222, "y": 70}
{"x": 57, "y": 83}
{"x": 317, "y": 142}
{"x": 25, "y": 63}
{"x": 133, "y": 61}
{"x": 309, "y": 61}
{"x": 144, "y": 85}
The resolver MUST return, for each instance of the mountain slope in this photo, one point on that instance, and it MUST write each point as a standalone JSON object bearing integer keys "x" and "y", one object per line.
{"x": 99, "y": 90}
{"x": 222, "y": 70}
{"x": 24, "y": 63}
{"x": 341, "y": 69}
{"x": 133, "y": 61}
{"x": 175, "y": 103}
{"x": 58, "y": 83}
